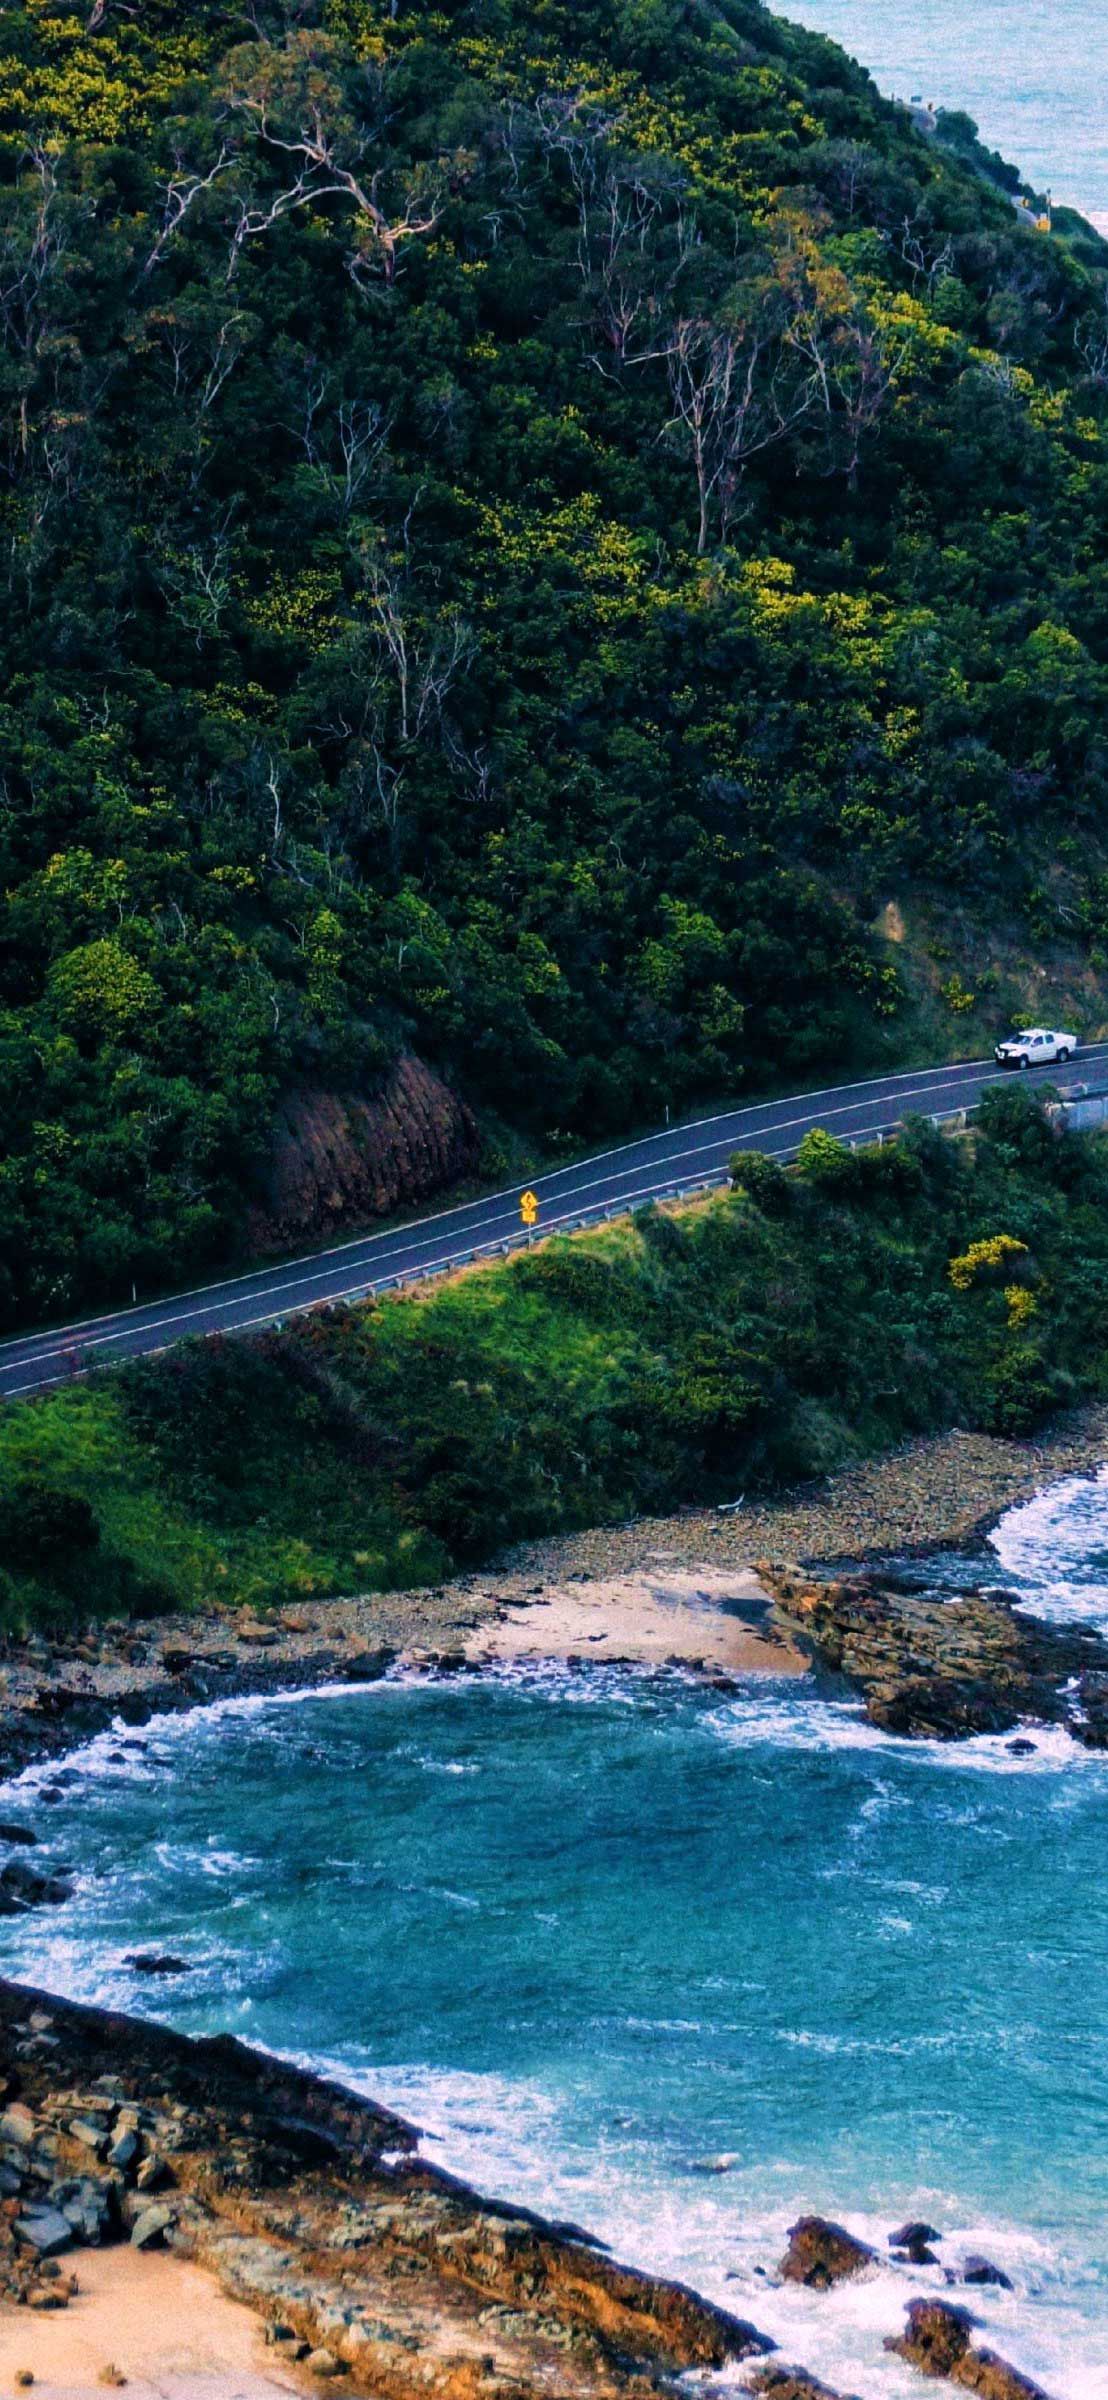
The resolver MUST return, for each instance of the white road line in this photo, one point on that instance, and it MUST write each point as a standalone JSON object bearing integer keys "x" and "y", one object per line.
{"x": 86, "y": 1326}
{"x": 298, "y": 1284}
{"x": 120, "y": 1326}
{"x": 486, "y": 1251}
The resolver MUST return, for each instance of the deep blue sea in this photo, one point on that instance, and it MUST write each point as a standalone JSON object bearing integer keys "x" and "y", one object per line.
{"x": 1033, "y": 75}
{"x": 595, "y": 1930}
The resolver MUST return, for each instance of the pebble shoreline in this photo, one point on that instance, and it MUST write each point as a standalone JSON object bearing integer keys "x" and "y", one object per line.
{"x": 944, "y": 1493}
{"x": 105, "y": 2136}
{"x": 941, "y": 1494}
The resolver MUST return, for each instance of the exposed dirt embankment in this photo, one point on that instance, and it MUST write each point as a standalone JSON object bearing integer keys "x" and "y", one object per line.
{"x": 939, "y": 1667}
{"x": 313, "y": 2207}
{"x": 338, "y": 1160}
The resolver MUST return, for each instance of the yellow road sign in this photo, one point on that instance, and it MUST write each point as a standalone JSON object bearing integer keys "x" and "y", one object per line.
{"x": 529, "y": 1207}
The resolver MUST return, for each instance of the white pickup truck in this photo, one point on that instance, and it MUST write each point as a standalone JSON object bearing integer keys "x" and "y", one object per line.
{"x": 1036, "y": 1048}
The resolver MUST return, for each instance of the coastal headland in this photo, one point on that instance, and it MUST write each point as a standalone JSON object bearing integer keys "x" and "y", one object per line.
{"x": 155, "y": 2189}
{"x": 313, "y": 2208}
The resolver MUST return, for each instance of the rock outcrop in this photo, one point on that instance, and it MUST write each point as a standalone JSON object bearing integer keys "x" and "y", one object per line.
{"x": 339, "y": 1160}
{"x": 821, "y": 2253}
{"x": 314, "y": 2207}
{"x": 939, "y": 1667}
{"x": 982, "y": 2270}
{"x": 775, "y": 2382}
{"x": 913, "y": 2242}
{"x": 937, "y": 2340}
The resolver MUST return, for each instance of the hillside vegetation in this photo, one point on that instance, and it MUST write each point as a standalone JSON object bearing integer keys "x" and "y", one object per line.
{"x": 524, "y": 526}
{"x": 687, "y": 1354}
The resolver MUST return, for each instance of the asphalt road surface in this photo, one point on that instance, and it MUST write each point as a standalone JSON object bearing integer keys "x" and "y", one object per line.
{"x": 682, "y": 1158}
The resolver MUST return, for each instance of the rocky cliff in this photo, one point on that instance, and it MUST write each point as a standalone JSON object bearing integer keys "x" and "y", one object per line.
{"x": 338, "y": 1159}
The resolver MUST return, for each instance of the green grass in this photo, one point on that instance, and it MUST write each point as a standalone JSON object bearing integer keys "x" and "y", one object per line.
{"x": 294, "y": 1532}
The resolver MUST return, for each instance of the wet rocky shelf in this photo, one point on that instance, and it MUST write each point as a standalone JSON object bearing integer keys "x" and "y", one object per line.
{"x": 313, "y": 2206}
{"x": 938, "y": 1666}
{"x": 366, "y": 2264}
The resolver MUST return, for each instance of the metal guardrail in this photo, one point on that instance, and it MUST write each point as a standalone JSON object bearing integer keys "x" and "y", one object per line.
{"x": 1072, "y": 1098}
{"x": 570, "y": 1221}
{"x": 604, "y": 1212}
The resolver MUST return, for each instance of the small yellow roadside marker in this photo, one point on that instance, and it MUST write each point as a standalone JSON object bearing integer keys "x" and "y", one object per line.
{"x": 529, "y": 1207}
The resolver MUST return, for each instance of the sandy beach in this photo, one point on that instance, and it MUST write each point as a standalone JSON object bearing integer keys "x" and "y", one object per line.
{"x": 164, "y": 2325}
{"x": 713, "y": 1618}
{"x": 680, "y": 1591}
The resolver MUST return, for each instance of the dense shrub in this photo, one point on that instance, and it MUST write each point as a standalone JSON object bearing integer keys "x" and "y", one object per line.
{"x": 42, "y": 1528}
{"x": 763, "y": 1179}
{"x": 1021, "y": 1391}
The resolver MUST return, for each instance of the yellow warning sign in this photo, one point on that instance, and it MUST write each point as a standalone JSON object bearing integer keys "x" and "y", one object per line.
{"x": 529, "y": 1207}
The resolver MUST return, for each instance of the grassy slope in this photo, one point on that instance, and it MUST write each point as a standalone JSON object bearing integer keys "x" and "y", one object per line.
{"x": 678, "y": 1355}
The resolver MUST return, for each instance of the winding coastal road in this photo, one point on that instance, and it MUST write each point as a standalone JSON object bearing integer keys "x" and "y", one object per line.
{"x": 682, "y": 1158}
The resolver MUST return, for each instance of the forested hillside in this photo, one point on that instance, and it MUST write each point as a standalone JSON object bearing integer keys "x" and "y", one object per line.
{"x": 525, "y": 528}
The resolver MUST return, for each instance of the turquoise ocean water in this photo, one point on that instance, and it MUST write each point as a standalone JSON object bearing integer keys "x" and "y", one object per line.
{"x": 1034, "y": 76}
{"x": 593, "y": 1930}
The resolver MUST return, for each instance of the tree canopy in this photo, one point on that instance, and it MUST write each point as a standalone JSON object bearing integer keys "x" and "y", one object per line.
{"x": 521, "y": 524}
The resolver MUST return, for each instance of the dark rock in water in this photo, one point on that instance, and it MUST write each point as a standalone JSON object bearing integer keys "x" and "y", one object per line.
{"x": 938, "y": 1708}
{"x": 820, "y": 2254}
{"x": 24, "y": 1886}
{"x": 791, "y": 2383}
{"x": 1021, "y": 1747}
{"x": 155, "y": 1962}
{"x": 1089, "y": 1717}
{"x": 913, "y": 2242}
{"x": 367, "y": 1666}
{"x": 937, "y": 2340}
{"x": 20, "y": 1834}
{"x": 982, "y": 2270}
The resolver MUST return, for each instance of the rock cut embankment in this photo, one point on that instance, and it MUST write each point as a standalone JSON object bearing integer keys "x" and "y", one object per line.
{"x": 338, "y": 1159}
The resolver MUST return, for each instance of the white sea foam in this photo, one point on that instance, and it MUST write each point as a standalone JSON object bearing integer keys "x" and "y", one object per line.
{"x": 624, "y": 2172}
{"x": 1054, "y": 1549}
{"x": 725, "y": 2234}
{"x": 798, "y": 1720}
